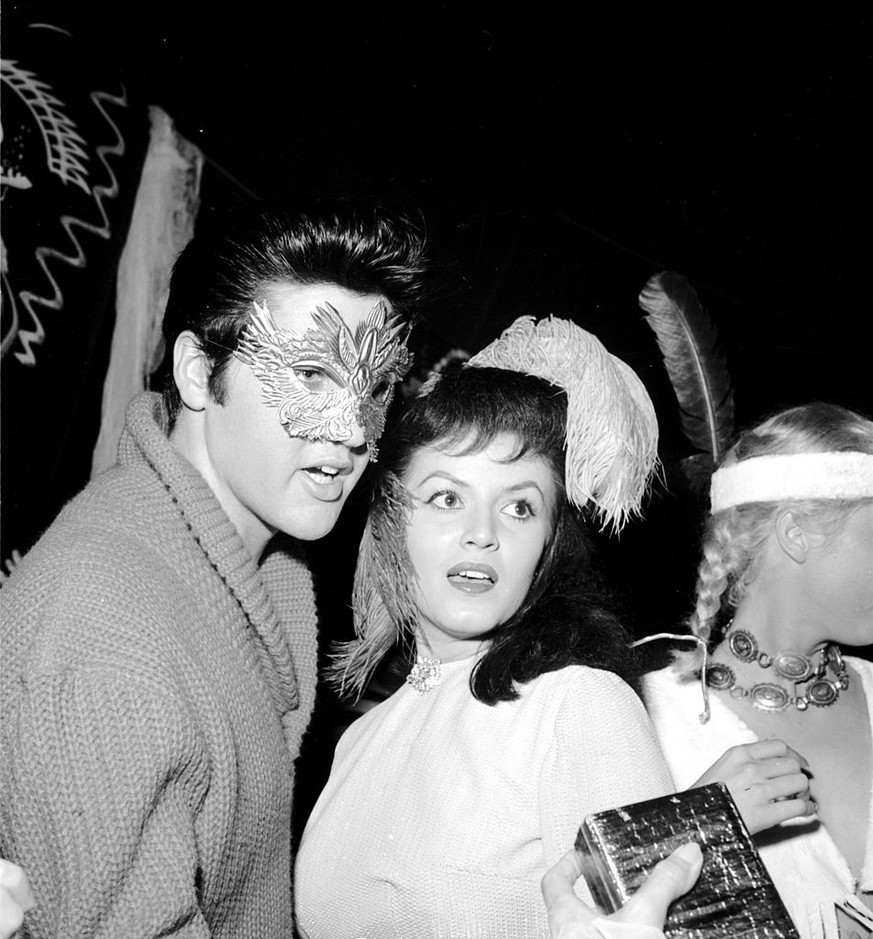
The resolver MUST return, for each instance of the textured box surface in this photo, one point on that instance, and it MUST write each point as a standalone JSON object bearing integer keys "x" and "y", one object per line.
{"x": 734, "y": 895}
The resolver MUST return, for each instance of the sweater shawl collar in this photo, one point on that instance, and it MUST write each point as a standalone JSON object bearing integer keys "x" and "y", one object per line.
{"x": 144, "y": 441}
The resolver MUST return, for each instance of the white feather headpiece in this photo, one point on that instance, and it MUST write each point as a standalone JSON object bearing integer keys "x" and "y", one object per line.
{"x": 612, "y": 431}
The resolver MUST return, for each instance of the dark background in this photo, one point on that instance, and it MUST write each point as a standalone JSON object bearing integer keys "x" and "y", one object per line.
{"x": 560, "y": 159}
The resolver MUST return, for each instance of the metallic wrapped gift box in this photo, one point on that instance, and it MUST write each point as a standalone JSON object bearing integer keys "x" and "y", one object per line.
{"x": 734, "y": 895}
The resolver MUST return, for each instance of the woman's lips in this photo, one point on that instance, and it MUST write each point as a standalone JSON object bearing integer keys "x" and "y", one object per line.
{"x": 472, "y": 579}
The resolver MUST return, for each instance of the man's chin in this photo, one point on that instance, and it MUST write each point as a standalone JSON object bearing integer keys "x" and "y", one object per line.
{"x": 310, "y": 528}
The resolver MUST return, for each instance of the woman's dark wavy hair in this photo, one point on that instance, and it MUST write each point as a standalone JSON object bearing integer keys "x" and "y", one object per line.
{"x": 246, "y": 254}
{"x": 562, "y": 620}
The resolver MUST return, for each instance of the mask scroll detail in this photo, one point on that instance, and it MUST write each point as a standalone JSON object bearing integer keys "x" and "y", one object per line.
{"x": 330, "y": 378}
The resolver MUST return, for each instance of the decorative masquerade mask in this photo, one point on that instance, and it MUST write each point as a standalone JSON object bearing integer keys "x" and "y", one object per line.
{"x": 330, "y": 378}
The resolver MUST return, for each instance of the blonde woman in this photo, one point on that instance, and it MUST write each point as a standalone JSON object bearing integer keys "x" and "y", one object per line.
{"x": 785, "y": 581}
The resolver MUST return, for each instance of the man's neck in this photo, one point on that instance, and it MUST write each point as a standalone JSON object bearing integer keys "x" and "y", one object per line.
{"x": 188, "y": 440}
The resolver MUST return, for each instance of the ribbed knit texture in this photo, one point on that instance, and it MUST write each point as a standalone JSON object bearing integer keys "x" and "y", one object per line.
{"x": 807, "y": 868}
{"x": 155, "y": 687}
{"x": 442, "y": 814}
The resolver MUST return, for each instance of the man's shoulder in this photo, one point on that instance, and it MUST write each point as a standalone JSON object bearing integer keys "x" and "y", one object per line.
{"x": 103, "y": 556}
{"x": 86, "y": 599}
{"x": 111, "y": 513}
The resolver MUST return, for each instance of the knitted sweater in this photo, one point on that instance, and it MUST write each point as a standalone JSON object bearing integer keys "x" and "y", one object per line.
{"x": 155, "y": 687}
{"x": 442, "y": 813}
{"x": 807, "y": 868}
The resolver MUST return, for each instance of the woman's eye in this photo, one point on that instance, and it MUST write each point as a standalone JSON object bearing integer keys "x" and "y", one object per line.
{"x": 445, "y": 500}
{"x": 519, "y": 510}
{"x": 314, "y": 380}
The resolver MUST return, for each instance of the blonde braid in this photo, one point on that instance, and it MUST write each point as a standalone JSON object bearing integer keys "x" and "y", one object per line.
{"x": 712, "y": 581}
{"x": 712, "y": 578}
{"x": 731, "y": 545}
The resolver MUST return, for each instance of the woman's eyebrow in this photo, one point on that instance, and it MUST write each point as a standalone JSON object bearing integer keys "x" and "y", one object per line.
{"x": 461, "y": 484}
{"x": 443, "y": 474}
{"x": 527, "y": 484}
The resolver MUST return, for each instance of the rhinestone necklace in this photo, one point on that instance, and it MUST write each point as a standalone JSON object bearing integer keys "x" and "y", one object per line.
{"x": 821, "y": 690}
{"x": 426, "y": 675}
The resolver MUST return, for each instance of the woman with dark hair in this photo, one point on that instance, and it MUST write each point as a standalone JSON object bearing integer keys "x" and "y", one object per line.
{"x": 558, "y": 620}
{"x": 785, "y": 578}
{"x": 448, "y": 802}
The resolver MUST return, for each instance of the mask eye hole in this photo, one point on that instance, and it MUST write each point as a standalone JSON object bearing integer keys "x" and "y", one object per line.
{"x": 314, "y": 380}
{"x": 381, "y": 390}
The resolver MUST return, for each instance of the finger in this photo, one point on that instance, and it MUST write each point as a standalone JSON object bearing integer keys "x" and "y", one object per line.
{"x": 563, "y": 906}
{"x": 765, "y": 749}
{"x": 667, "y": 882}
{"x": 561, "y": 876}
{"x": 771, "y": 748}
{"x": 745, "y": 758}
{"x": 781, "y": 766}
{"x": 11, "y": 914}
{"x": 15, "y": 882}
{"x": 759, "y": 773}
{"x": 774, "y": 813}
{"x": 776, "y": 747}
{"x": 785, "y": 787}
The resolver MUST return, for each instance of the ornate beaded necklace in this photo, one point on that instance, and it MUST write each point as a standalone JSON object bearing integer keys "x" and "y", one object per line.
{"x": 821, "y": 690}
{"x": 426, "y": 674}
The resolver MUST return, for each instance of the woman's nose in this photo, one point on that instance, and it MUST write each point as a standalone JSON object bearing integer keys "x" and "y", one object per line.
{"x": 481, "y": 531}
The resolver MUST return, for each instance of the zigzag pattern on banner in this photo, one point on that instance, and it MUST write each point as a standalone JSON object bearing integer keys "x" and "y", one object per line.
{"x": 66, "y": 159}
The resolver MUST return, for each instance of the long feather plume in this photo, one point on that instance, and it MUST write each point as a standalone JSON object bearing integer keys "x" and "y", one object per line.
{"x": 696, "y": 366}
{"x": 612, "y": 430}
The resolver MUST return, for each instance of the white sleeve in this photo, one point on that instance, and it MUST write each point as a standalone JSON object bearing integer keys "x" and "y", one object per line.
{"x": 603, "y": 754}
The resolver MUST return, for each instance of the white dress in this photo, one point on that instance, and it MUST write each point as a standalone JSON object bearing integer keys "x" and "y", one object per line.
{"x": 442, "y": 813}
{"x": 807, "y": 868}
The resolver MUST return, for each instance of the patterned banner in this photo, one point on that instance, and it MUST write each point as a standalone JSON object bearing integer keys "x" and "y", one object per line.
{"x": 73, "y": 146}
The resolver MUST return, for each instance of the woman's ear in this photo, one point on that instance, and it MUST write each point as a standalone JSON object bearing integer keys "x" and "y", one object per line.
{"x": 792, "y": 538}
{"x": 191, "y": 368}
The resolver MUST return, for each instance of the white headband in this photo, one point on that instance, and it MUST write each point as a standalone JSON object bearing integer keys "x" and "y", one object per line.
{"x": 791, "y": 477}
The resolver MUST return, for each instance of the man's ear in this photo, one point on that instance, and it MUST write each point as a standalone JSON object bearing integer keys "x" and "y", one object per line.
{"x": 191, "y": 368}
{"x": 793, "y": 539}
